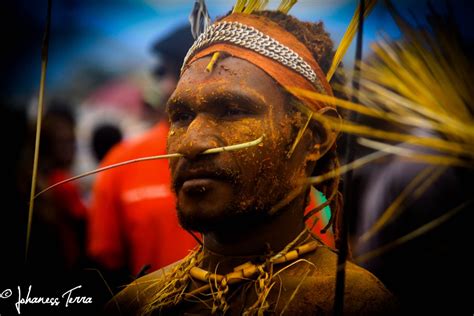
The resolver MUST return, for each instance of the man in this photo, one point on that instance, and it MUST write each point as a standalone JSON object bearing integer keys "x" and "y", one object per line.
{"x": 61, "y": 213}
{"x": 132, "y": 222}
{"x": 257, "y": 255}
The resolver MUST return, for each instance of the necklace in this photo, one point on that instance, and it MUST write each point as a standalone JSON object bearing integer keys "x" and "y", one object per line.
{"x": 247, "y": 270}
{"x": 175, "y": 284}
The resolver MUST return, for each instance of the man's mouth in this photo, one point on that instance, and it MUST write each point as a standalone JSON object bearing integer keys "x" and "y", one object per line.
{"x": 197, "y": 186}
{"x": 199, "y": 181}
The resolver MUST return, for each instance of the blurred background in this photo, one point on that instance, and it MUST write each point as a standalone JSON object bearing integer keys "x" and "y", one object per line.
{"x": 100, "y": 53}
{"x": 100, "y": 64}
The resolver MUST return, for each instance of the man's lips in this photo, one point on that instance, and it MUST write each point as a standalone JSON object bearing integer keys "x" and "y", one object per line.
{"x": 199, "y": 178}
{"x": 197, "y": 186}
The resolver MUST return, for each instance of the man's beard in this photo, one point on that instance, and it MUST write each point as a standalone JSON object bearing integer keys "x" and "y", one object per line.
{"x": 249, "y": 207}
{"x": 231, "y": 219}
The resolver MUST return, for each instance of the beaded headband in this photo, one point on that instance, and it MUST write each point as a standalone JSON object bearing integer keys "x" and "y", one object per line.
{"x": 251, "y": 38}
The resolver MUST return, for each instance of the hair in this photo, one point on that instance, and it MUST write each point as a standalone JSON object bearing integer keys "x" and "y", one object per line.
{"x": 57, "y": 113}
{"x": 104, "y": 137}
{"x": 319, "y": 43}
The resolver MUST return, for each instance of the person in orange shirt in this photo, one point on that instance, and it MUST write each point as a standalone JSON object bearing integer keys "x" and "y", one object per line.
{"x": 133, "y": 225}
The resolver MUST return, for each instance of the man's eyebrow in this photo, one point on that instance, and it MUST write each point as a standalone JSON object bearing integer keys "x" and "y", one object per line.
{"x": 235, "y": 97}
{"x": 239, "y": 98}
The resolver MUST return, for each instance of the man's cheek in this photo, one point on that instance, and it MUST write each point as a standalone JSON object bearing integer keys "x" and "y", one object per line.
{"x": 242, "y": 130}
{"x": 175, "y": 136}
{"x": 171, "y": 148}
{"x": 172, "y": 166}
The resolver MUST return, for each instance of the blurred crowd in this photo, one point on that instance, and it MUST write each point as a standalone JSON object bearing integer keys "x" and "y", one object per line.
{"x": 108, "y": 229}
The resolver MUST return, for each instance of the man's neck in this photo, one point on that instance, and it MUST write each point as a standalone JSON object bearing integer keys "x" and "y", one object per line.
{"x": 244, "y": 243}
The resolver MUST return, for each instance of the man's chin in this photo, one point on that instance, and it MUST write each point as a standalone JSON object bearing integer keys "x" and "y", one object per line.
{"x": 197, "y": 223}
{"x": 227, "y": 220}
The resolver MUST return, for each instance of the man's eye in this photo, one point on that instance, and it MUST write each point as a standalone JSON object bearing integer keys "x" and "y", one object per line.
{"x": 234, "y": 112}
{"x": 182, "y": 117}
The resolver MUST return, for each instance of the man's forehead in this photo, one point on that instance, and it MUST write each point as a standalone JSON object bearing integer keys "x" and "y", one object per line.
{"x": 231, "y": 78}
{"x": 226, "y": 68}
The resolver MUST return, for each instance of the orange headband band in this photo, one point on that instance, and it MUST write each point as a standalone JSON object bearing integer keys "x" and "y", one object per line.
{"x": 268, "y": 46}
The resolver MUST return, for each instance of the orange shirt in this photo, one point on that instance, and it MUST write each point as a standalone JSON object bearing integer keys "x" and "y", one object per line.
{"x": 67, "y": 195}
{"x": 133, "y": 217}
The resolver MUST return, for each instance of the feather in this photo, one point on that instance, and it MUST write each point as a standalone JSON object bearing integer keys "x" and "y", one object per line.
{"x": 199, "y": 18}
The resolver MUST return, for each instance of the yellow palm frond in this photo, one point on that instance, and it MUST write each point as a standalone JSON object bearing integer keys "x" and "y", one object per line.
{"x": 419, "y": 82}
{"x": 239, "y": 6}
{"x": 348, "y": 37}
{"x": 443, "y": 145}
{"x": 286, "y": 5}
{"x": 414, "y": 234}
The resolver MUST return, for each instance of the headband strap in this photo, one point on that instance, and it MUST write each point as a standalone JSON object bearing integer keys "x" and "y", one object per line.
{"x": 267, "y": 45}
{"x": 249, "y": 37}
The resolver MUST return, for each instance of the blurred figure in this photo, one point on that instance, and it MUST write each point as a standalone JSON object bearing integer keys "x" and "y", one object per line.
{"x": 133, "y": 224}
{"x": 104, "y": 137}
{"x": 431, "y": 262}
{"x": 58, "y": 235}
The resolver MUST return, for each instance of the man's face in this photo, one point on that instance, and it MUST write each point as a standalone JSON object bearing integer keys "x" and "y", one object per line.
{"x": 235, "y": 103}
{"x": 62, "y": 140}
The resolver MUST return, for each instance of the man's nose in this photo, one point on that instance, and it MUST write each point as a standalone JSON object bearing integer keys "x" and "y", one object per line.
{"x": 200, "y": 136}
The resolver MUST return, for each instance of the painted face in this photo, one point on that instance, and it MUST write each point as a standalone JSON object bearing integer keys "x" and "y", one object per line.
{"x": 235, "y": 103}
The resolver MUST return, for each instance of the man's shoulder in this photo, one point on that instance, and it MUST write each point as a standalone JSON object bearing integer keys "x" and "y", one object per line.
{"x": 324, "y": 261}
{"x": 137, "y": 294}
{"x": 364, "y": 293}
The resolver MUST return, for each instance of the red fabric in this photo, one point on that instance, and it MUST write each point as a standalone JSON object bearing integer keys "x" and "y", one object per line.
{"x": 67, "y": 195}
{"x": 328, "y": 237}
{"x": 133, "y": 217}
{"x": 70, "y": 215}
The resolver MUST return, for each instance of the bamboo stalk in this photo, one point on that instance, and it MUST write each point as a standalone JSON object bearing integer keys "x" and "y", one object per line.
{"x": 212, "y": 62}
{"x": 167, "y": 156}
{"x": 44, "y": 65}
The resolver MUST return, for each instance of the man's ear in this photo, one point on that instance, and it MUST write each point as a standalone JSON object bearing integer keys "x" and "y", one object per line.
{"x": 324, "y": 135}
